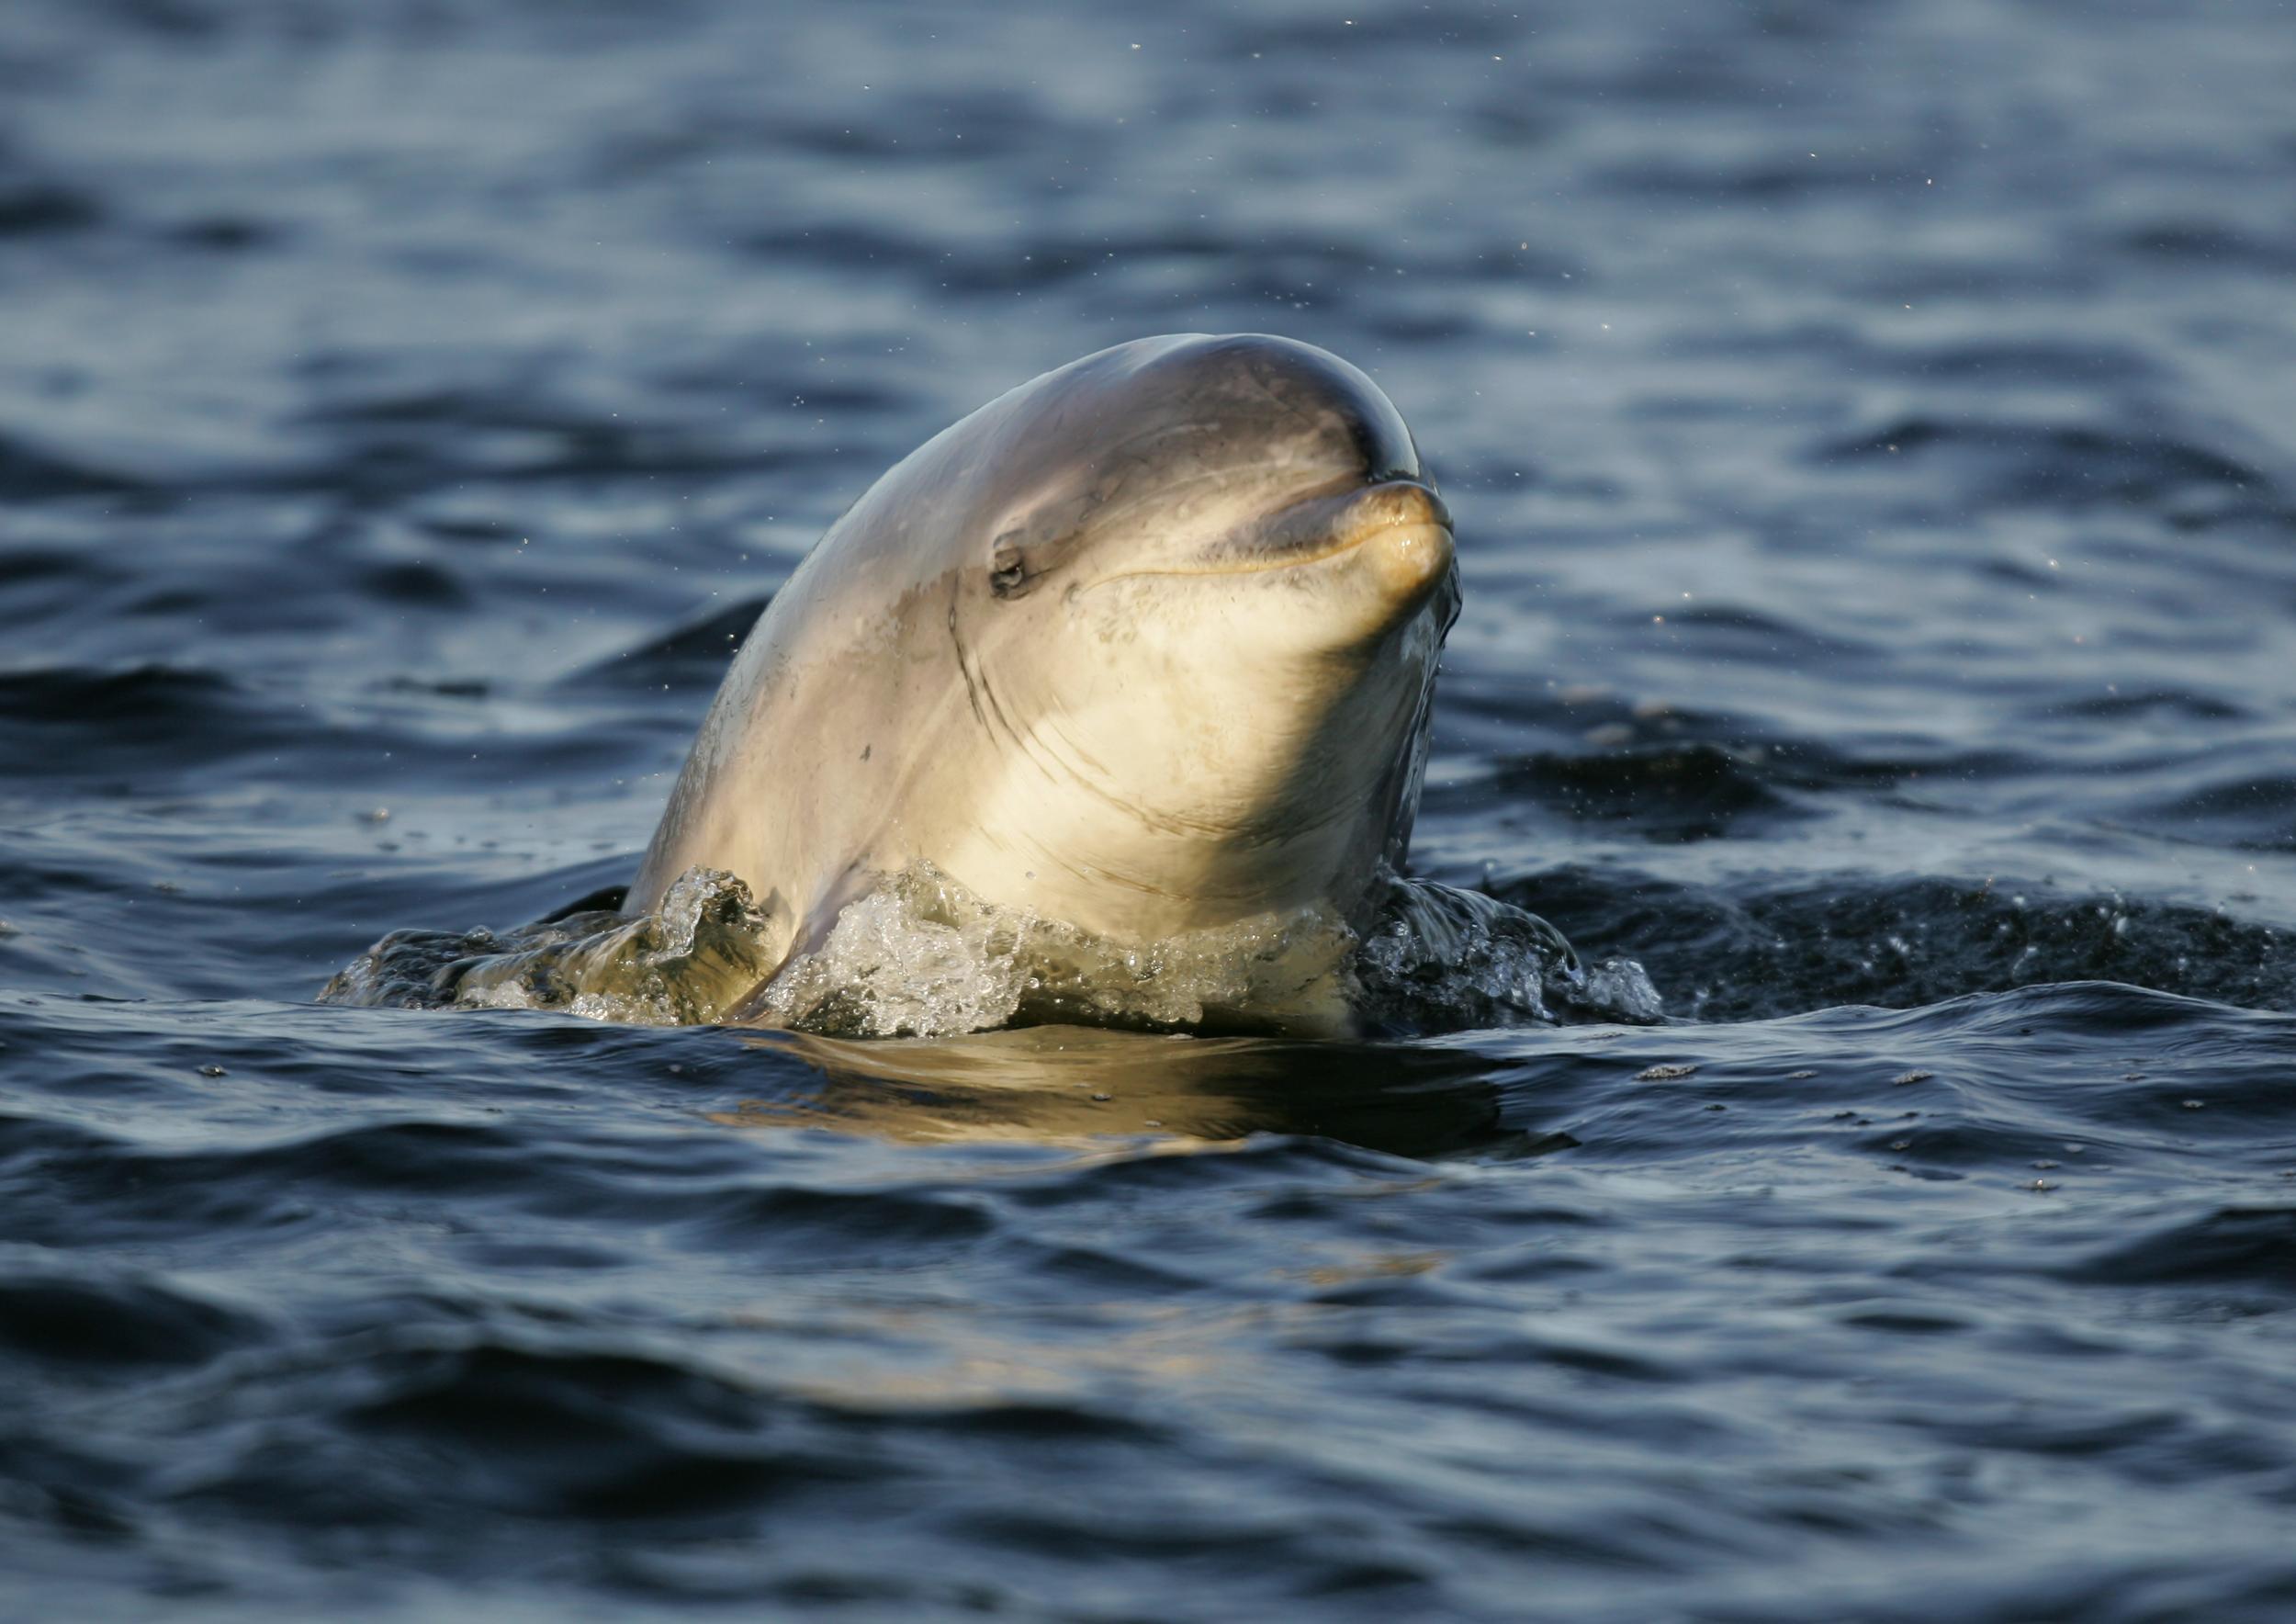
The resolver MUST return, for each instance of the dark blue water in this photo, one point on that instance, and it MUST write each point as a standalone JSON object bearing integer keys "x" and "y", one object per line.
{"x": 1869, "y": 430}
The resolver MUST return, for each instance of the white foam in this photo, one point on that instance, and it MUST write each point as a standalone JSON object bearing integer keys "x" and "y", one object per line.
{"x": 920, "y": 956}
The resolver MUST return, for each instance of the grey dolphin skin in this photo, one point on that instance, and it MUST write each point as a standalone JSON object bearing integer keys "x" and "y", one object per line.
{"x": 1145, "y": 646}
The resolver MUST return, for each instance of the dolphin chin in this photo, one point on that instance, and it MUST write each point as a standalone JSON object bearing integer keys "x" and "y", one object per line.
{"x": 1145, "y": 646}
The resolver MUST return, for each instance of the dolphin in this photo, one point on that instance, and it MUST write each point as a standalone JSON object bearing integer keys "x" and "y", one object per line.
{"x": 1145, "y": 646}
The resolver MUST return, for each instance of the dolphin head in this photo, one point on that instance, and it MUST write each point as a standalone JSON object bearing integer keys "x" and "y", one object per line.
{"x": 1201, "y": 586}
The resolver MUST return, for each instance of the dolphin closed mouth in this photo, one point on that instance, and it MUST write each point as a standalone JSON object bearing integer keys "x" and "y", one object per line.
{"x": 1405, "y": 518}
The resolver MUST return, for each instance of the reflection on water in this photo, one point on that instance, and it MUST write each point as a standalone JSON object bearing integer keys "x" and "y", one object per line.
{"x": 1067, "y": 1083}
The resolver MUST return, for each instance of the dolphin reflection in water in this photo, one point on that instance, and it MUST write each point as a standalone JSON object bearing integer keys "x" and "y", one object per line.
{"x": 1078, "y": 1084}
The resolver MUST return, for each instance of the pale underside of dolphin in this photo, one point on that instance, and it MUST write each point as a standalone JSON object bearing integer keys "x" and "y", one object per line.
{"x": 1145, "y": 646}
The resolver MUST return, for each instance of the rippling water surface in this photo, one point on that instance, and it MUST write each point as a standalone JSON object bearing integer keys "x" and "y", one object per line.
{"x": 1869, "y": 430}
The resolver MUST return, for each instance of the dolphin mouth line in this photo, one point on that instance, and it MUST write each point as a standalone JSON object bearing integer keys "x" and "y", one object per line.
{"x": 1301, "y": 560}
{"x": 1338, "y": 536}
{"x": 1281, "y": 561}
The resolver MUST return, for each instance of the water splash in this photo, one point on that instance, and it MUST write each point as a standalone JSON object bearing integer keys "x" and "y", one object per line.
{"x": 690, "y": 963}
{"x": 1441, "y": 959}
{"x": 921, "y": 956}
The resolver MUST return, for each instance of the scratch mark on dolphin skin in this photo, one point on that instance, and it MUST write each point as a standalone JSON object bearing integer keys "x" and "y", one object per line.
{"x": 965, "y": 665}
{"x": 1319, "y": 419}
{"x": 986, "y": 709}
{"x": 1044, "y": 754}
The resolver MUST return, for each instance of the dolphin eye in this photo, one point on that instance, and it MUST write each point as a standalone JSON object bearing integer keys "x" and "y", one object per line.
{"x": 1007, "y": 570}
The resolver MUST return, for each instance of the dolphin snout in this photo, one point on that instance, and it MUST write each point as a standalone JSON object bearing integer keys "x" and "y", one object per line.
{"x": 1401, "y": 530}
{"x": 1391, "y": 502}
{"x": 1393, "y": 514}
